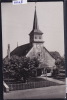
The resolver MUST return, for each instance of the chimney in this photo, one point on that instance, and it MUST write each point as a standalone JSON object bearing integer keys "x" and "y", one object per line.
{"x": 8, "y": 51}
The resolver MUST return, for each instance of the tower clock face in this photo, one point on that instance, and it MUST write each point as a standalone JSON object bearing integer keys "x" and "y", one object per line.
{"x": 38, "y": 47}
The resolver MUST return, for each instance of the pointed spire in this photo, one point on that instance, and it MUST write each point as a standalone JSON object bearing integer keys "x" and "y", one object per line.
{"x": 17, "y": 44}
{"x": 35, "y": 23}
{"x": 35, "y": 31}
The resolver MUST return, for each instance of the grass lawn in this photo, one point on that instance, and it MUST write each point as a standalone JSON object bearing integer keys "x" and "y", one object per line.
{"x": 31, "y": 79}
{"x": 60, "y": 78}
{"x": 35, "y": 79}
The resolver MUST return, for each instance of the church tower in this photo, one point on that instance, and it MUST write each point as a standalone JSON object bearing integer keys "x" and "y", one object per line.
{"x": 36, "y": 34}
{"x": 36, "y": 38}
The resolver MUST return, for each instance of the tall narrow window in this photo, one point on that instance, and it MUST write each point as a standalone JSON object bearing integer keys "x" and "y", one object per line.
{"x": 39, "y": 37}
{"x": 35, "y": 37}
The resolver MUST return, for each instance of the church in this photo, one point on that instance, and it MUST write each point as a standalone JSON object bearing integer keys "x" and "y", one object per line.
{"x": 36, "y": 48}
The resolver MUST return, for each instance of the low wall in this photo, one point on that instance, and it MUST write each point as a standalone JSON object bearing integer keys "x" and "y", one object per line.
{"x": 31, "y": 85}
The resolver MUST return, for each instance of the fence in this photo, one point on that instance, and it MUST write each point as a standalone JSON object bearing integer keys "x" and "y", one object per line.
{"x": 31, "y": 85}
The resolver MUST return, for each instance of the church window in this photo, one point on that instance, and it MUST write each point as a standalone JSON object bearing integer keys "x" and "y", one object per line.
{"x": 39, "y": 37}
{"x": 35, "y": 37}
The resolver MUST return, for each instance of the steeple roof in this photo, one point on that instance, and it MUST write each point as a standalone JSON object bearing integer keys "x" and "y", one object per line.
{"x": 35, "y": 24}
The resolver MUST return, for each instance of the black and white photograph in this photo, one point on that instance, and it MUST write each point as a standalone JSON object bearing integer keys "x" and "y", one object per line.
{"x": 33, "y": 50}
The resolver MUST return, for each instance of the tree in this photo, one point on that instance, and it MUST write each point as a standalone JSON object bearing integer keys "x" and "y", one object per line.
{"x": 19, "y": 67}
{"x": 60, "y": 62}
{"x": 34, "y": 63}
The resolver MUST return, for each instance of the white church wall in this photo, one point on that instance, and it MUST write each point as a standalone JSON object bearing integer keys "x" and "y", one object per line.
{"x": 31, "y": 53}
{"x": 50, "y": 61}
{"x": 45, "y": 57}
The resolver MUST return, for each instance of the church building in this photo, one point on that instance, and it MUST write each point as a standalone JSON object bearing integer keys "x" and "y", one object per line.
{"x": 36, "y": 48}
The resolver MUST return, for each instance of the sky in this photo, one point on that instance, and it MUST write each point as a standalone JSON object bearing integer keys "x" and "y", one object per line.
{"x": 17, "y": 23}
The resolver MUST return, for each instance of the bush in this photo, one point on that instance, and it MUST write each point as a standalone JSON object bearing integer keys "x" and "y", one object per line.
{"x": 55, "y": 72}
